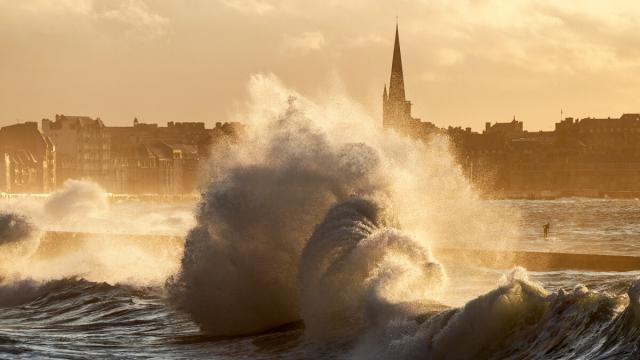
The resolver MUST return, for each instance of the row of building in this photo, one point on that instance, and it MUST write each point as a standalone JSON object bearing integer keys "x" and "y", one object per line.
{"x": 580, "y": 157}
{"x": 137, "y": 159}
{"x": 590, "y": 156}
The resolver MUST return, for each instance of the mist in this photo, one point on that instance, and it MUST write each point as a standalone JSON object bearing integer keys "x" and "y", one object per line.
{"x": 240, "y": 272}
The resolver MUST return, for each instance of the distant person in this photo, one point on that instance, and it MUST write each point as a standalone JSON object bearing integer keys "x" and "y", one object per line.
{"x": 545, "y": 229}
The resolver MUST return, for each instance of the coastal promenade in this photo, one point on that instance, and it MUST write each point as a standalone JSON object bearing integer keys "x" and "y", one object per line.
{"x": 56, "y": 243}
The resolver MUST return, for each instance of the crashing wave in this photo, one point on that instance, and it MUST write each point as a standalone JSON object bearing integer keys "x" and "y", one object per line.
{"x": 241, "y": 268}
{"x": 356, "y": 271}
{"x": 19, "y": 238}
{"x": 517, "y": 320}
{"x": 14, "y": 228}
{"x": 240, "y": 262}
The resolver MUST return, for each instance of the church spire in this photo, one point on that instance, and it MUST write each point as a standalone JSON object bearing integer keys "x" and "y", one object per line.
{"x": 396, "y": 84}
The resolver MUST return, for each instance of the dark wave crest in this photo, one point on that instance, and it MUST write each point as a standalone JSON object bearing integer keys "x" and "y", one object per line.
{"x": 14, "y": 228}
{"x": 519, "y": 320}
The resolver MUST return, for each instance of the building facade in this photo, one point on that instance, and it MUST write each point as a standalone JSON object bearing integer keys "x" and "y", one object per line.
{"x": 27, "y": 160}
{"x": 148, "y": 158}
{"x": 581, "y": 157}
{"x": 83, "y": 148}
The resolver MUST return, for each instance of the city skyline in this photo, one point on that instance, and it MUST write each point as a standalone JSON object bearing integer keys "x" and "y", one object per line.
{"x": 124, "y": 59}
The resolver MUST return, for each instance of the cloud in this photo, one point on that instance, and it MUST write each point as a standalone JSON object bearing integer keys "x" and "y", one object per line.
{"x": 50, "y": 6}
{"x": 306, "y": 41}
{"x": 473, "y": 51}
{"x": 258, "y": 7}
{"x": 136, "y": 14}
{"x": 369, "y": 39}
{"x": 448, "y": 56}
{"x": 132, "y": 16}
{"x": 542, "y": 36}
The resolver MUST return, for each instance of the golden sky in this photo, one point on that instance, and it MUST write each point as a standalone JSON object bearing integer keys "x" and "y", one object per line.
{"x": 466, "y": 62}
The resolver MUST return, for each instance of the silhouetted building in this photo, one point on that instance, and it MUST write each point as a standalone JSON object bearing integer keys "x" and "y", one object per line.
{"x": 27, "y": 159}
{"x": 396, "y": 109}
{"x": 148, "y": 158}
{"x": 585, "y": 157}
{"x": 143, "y": 158}
{"x": 157, "y": 168}
{"x": 509, "y": 130}
{"x": 83, "y": 148}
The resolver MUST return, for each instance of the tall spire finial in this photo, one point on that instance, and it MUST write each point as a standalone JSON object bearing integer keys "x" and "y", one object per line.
{"x": 396, "y": 84}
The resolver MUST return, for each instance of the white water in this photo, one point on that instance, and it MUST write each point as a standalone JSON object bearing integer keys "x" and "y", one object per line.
{"x": 244, "y": 270}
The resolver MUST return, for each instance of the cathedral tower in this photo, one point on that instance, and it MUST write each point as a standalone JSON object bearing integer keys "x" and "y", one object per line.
{"x": 396, "y": 110}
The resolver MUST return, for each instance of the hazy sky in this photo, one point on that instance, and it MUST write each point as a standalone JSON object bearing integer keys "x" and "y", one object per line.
{"x": 466, "y": 62}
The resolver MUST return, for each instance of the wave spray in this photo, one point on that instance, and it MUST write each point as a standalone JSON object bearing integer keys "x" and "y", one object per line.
{"x": 375, "y": 200}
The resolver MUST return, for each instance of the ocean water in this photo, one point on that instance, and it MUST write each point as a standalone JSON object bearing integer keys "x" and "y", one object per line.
{"x": 600, "y": 226}
{"x": 495, "y": 314}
